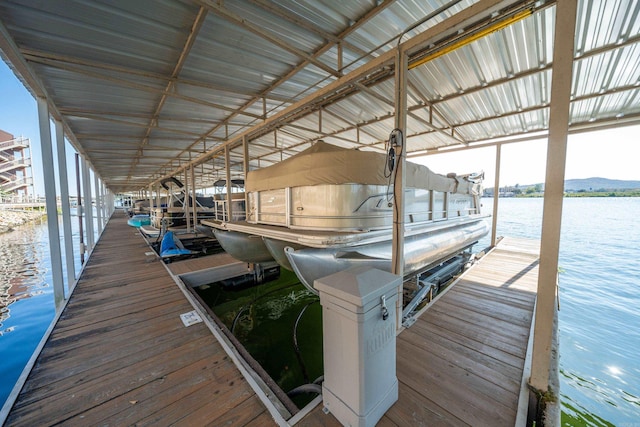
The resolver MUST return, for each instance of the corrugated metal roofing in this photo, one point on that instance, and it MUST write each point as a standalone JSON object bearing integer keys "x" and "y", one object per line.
{"x": 145, "y": 87}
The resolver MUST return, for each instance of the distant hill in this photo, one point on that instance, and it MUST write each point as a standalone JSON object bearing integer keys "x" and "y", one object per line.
{"x": 572, "y": 185}
{"x": 595, "y": 184}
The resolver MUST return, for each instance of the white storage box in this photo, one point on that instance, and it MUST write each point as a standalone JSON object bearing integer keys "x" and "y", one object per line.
{"x": 359, "y": 331}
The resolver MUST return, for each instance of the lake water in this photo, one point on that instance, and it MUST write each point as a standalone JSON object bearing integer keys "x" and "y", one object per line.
{"x": 26, "y": 294}
{"x": 599, "y": 318}
{"x": 599, "y": 315}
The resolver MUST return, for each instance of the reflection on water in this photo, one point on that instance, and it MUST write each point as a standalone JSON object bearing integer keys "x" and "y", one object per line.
{"x": 26, "y": 294}
{"x": 599, "y": 316}
{"x": 22, "y": 273}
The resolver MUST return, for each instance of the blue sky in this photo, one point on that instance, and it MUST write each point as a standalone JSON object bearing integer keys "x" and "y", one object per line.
{"x": 19, "y": 117}
{"x": 611, "y": 153}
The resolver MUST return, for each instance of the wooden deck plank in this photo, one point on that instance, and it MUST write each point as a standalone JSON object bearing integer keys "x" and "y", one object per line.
{"x": 248, "y": 412}
{"x": 446, "y": 385}
{"x": 227, "y": 395}
{"x": 93, "y": 345}
{"x": 78, "y": 397}
{"x": 485, "y": 354}
{"x": 201, "y": 263}
{"x": 120, "y": 355}
{"x": 264, "y": 419}
{"x": 497, "y": 338}
{"x": 502, "y": 376}
{"x": 317, "y": 418}
{"x": 97, "y": 364}
{"x": 175, "y": 385}
{"x": 412, "y": 409}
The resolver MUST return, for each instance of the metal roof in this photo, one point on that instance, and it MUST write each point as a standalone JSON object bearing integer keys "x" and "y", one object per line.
{"x": 144, "y": 88}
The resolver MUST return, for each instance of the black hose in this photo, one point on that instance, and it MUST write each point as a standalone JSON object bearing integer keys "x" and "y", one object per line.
{"x": 305, "y": 389}
{"x": 235, "y": 319}
{"x": 305, "y": 374}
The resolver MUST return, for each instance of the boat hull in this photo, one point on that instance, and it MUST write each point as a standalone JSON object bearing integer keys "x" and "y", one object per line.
{"x": 277, "y": 249}
{"x": 421, "y": 252}
{"x": 315, "y": 255}
{"x": 242, "y": 246}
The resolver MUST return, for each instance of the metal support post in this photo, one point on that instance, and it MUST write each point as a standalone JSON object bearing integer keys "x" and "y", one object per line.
{"x": 194, "y": 207}
{"x": 88, "y": 211}
{"x": 64, "y": 203}
{"x": 185, "y": 206}
{"x": 50, "y": 199}
{"x": 158, "y": 196}
{"x": 245, "y": 167}
{"x": 150, "y": 198}
{"x": 227, "y": 166}
{"x": 496, "y": 195}
{"x": 563, "y": 55}
{"x": 79, "y": 209}
{"x": 399, "y": 179}
{"x": 105, "y": 205}
{"x": 96, "y": 182}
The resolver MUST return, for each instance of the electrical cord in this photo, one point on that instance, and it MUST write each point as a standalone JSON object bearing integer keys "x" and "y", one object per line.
{"x": 396, "y": 139}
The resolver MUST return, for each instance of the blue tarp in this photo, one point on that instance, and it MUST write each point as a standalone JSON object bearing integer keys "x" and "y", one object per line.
{"x": 171, "y": 246}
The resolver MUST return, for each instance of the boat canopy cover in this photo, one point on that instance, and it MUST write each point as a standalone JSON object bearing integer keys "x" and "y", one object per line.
{"x": 325, "y": 163}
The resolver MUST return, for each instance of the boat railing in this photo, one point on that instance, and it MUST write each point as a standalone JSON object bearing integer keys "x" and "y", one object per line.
{"x": 352, "y": 206}
{"x": 238, "y": 211}
{"x": 382, "y": 220}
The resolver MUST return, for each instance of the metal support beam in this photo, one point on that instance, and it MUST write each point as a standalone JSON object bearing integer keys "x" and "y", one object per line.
{"x": 96, "y": 183}
{"x": 112, "y": 206}
{"x": 64, "y": 203}
{"x": 79, "y": 209}
{"x": 103, "y": 197}
{"x": 50, "y": 199}
{"x": 563, "y": 54}
{"x": 245, "y": 167}
{"x": 158, "y": 196}
{"x": 496, "y": 196}
{"x": 106, "y": 214}
{"x": 194, "y": 207}
{"x": 88, "y": 211}
{"x": 227, "y": 167}
{"x": 399, "y": 179}
{"x": 150, "y": 198}
{"x": 185, "y": 207}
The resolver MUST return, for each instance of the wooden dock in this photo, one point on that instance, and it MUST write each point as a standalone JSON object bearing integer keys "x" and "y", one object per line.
{"x": 462, "y": 362}
{"x": 120, "y": 354}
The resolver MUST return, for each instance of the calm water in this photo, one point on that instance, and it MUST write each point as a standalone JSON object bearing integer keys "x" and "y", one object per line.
{"x": 599, "y": 315}
{"x": 280, "y": 314}
{"x": 599, "y": 297}
{"x": 26, "y": 294}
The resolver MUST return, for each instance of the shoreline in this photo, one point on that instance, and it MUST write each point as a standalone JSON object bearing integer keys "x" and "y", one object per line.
{"x": 9, "y": 219}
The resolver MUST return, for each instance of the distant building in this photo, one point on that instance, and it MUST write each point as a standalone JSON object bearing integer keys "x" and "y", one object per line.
{"x": 15, "y": 163}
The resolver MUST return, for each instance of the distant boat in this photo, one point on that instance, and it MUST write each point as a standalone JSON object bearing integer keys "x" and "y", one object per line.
{"x": 179, "y": 205}
{"x": 139, "y": 220}
{"x": 329, "y": 208}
